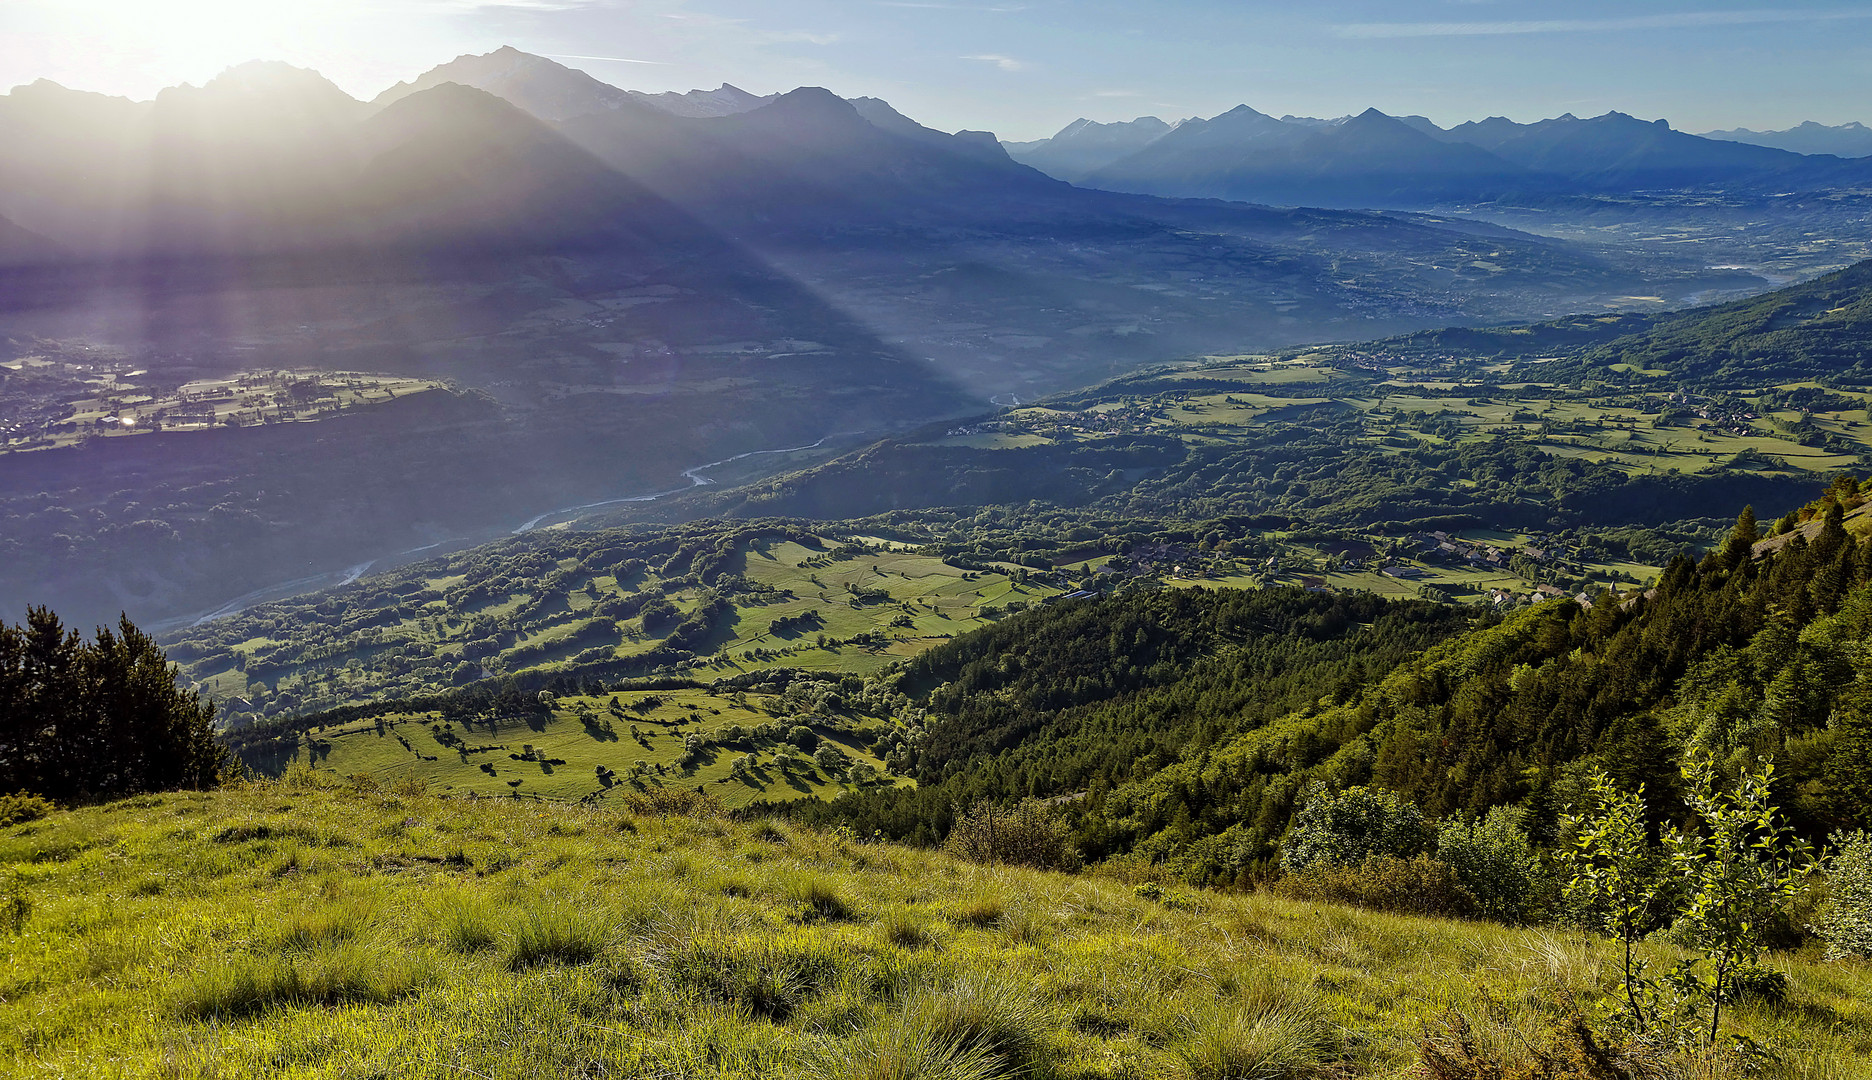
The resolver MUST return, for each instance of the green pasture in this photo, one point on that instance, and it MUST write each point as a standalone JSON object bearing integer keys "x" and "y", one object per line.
{"x": 641, "y": 747}
{"x": 316, "y": 928}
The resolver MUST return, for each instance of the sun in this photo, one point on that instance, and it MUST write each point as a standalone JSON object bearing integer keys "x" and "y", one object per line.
{"x": 136, "y": 47}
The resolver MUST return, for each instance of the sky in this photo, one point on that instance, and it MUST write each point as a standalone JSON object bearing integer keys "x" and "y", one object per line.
{"x": 1025, "y": 68}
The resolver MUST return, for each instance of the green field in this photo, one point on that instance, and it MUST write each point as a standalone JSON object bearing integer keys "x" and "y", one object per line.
{"x": 1636, "y": 431}
{"x": 552, "y": 603}
{"x": 604, "y": 747}
{"x": 312, "y": 928}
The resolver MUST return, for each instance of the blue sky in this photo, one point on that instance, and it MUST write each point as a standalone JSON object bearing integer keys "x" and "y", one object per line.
{"x": 1024, "y": 68}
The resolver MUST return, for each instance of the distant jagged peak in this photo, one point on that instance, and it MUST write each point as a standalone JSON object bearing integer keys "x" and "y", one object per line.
{"x": 725, "y": 100}
{"x": 538, "y": 85}
{"x": 259, "y": 86}
{"x": 1083, "y": 128}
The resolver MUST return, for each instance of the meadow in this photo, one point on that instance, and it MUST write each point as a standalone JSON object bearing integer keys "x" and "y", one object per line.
{"x": 582, "y": 604}
{"x": 320, "y": 928}
{"x": 610, "y": 747}
{"x": 1797, "y": 427}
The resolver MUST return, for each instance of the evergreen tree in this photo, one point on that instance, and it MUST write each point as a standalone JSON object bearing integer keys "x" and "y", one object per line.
{"x": 87, "y": 721}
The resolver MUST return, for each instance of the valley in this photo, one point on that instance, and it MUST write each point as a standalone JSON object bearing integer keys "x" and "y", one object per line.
{"x": 595, "y": 582}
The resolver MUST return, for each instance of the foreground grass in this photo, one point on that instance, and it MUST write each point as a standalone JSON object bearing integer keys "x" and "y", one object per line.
{"x": 282, "y": 932}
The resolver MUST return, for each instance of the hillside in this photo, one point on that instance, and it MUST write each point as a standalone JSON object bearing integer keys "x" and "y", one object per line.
{"x": 338, "y": 930}
{"x": 1815, "y": 330}
{"x": 711, "y": 600}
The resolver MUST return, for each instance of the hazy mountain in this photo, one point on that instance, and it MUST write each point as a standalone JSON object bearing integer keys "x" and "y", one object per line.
{"x": 976, "y": 144}
{"x": 1841, "y": 140}
{"x": 1619, "y": 151}
{"x": 458, "y": 167}
{"x": 1370, "y": 159}
{"x": 1084, "y": 146}
{"x": 725, "y": 100}
{"x": 23, "y": 247}
{"x": 550, "y": 91}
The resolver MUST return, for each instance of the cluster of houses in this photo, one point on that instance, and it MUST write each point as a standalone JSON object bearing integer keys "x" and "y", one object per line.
{"x": 1123, "y": 419}
{"x": 1721, "y": 419}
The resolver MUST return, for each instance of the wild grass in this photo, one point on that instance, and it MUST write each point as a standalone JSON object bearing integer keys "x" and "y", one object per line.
{"x": 162, "y": 938}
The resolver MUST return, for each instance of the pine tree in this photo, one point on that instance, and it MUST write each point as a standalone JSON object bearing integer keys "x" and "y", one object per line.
{"x": 87, "y": 721}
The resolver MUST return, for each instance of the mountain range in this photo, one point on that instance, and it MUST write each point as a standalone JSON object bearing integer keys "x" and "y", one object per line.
{"x": 1372, "y": 159}
{"x": 1841, "y": 140}
{"x": 617, "y": 292}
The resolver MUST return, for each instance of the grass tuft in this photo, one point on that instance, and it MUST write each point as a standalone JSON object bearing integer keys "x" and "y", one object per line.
{"x": 897, "y": 1052}
{"x": 906, "y": 930}
{"x": 978, "y": 911}
{"x": 556, "y": 934}
{"x": 465, "y": 923}
{"x": 351, "y": 973}
{"x": 1287, "y": 1042}
{"x": 982, "y": 1013}
{"x": 819, "y": 899}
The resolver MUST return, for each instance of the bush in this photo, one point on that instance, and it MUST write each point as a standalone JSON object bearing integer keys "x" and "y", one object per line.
{"x": 20, "y": 808}
{"x": 1415, "y": 886}
{"x": 1494, "y": 861}
{"x": 1030, "y": 834}
{"x": 673, "y": 802}
{"x": 1845, "y": 919}
{"x": 1349, "y": 827}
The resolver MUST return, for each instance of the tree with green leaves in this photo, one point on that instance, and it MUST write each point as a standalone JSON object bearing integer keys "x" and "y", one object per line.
{"x": 1740, "y": 869}
{"x": 1720, "y": 886}
{"x": 1613, "y": 876}
{"x": 85, "y": 721}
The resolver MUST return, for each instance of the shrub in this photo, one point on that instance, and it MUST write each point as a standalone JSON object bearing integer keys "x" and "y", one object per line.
{"x": 1415, "y": 886}
{"x": 1288, "y": 1041}
{"x": 1493, "y": 859}
{"x": 1845, "y": 919}
{"x": 1030, "y": 834}
{"x": 673, "y": 802}
{"x": 22, "y": 807}
{"x": 1346, "y": 828}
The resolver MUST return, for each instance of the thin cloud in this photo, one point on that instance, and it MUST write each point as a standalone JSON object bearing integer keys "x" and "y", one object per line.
{"x": 1005, "y": 63}
{"x": 1676, "y": 21}
{"x": 1115, "y": 94}
{"x": 613, "y": 59}
{"x": 931, "y": 6}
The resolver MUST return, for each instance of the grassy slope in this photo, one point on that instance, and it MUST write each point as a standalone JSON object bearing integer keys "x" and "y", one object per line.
{"x": 567, "y": 750}
{"x": 397, "y": 655}
{"x": 1220, "y": 404}
{"x": 279, "y": 930}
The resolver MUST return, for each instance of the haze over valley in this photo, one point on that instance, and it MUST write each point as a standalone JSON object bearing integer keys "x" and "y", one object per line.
{"x": 532, "y": 574}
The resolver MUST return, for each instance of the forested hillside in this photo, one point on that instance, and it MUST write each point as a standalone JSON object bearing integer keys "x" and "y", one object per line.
{"x": 1818, "y": 329}
{"x": 1184, "y": 739}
